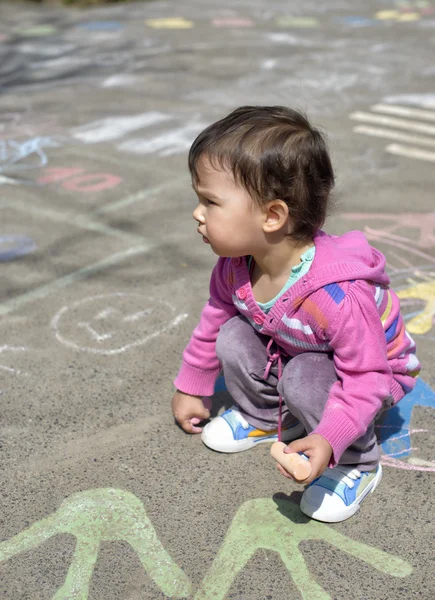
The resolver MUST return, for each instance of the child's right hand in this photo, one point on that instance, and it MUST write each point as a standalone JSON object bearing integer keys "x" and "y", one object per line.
{"x": 189, "y": 411}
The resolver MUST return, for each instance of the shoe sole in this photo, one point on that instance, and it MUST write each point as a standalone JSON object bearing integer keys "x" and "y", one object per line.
{"x": 346, "y": 513}
{"x": 240, "y": 445}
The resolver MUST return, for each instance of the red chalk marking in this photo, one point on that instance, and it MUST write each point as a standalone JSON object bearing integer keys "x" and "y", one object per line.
{"x": 75, "y": 179}
{"x": 58, "y": 174}
{"x": 106, "y": 181}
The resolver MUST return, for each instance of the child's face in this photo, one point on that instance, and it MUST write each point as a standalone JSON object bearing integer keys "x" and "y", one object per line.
{"x": 227, "y": 217}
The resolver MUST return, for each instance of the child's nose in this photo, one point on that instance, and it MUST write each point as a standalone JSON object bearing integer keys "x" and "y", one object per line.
{"x": 197, "y": 214}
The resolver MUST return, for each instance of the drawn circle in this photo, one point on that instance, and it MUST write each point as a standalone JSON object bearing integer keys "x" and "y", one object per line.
{"x": 109, "y": 324}
{"x": 13, "y": 246}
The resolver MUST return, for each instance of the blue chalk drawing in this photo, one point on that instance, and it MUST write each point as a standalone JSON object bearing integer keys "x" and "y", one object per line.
{"x": 394, "y": 426}
{"x": 27, "y": 154}
{"x": 13, "y": 246}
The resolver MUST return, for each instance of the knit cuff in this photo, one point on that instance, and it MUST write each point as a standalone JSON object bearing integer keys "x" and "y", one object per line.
{"x": 196, "y": 382}
{"x": 339, "y": 431}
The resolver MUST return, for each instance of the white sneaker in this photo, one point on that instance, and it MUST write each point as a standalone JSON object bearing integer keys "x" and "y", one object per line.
{"x": 337, "y": 494}
{"x": 230, "y": 432}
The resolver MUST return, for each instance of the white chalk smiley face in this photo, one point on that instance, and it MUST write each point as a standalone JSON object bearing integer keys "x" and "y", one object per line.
{"x": 113, "y": 323}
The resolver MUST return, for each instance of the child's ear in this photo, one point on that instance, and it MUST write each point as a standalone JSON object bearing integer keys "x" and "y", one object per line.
{"x": 276, "y": 216}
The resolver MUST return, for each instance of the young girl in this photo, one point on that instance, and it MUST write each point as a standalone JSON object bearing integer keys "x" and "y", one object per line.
{"x": 309, "y": 336}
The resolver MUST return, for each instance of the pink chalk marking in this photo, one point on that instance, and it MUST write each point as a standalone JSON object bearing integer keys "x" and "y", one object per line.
{"x": 424, "y": 222}
{"x": 387, "y": 461}
{"x": 103, "y": 181}
{"x": 232, "y": 22}
{"x": 52, "y": 174}
{"x": 381, "y": 238}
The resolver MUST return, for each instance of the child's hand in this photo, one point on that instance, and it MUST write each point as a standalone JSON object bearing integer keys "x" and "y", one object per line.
{"x": 318, "y": 450}
{"x": 189, "y": 411}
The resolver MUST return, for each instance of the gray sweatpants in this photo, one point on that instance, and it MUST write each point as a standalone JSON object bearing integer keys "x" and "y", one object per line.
{"x": 304, "y": 385}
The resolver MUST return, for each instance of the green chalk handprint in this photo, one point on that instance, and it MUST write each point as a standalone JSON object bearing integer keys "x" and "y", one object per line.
{"x": 97, "y": 516}
{"x": 278, "y": 524}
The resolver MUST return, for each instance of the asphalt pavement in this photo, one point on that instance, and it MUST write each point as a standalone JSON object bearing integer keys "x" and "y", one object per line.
{"x": 103, "y": 278}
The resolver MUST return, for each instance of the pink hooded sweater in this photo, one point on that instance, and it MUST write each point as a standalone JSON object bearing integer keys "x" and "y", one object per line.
{"x": 342, "y": 305}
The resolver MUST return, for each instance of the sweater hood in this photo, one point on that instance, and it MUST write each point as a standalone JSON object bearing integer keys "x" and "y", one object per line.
{"x": 343, "y": 258}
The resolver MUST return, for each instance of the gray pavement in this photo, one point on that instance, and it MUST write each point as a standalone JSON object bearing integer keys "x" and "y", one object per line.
{"x": 103, "y": 278}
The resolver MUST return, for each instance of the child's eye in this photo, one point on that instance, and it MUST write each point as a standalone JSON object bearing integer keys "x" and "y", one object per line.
{"x": 210, "y": 202}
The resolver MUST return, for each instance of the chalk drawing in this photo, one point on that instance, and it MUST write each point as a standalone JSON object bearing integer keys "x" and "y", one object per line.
{"x": 423, "y": 224}
{"x": 382, "y": 125}
{"x": 75, "y": 179}
{"x": 24, "y": 155}
{"x": 52, "y": 174}
{"x": 268, "y": 64}
{"x": 59, "y": 284}
{"x": 15, "y": 124}
{"x": 297, "y": 22}
{"x": 112, "y": 128}
{"x": 424, "y": 291}
{"x": 232, "y": 22}
{"x": 7, "y": 348}
{"x": 171, "y": 23}
{"x": 144, "y": 195}
{"x": 167, "y": 143}
{"x": 8, "y": 181}
{"x": 119, "y": 80}
{"x": 356, "y": 21}
{"x": 93, "y": 182}
{"x": 36, "y": 30}
{"x": 406, "y": 11}
{"x": 278, "y": 525}
{"x": 109, "y": 515}
{"x": 410, "y": 152}
{"x": 93, "y": 517}
{"x": 109, "y": 324}
{"x": 394, "y": 431}
{"x": 422, "y": 100}
{"x": 13, "y": 246}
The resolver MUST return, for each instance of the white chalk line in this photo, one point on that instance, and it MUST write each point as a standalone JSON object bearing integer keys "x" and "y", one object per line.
{"x": 77, "y": 220}
{"x": 81, "y": 221}
{"x": 410, "y": 152}
{"x": 393, "y": 122}
{"x": 7, "y": 348}
{"x": 394, "y": 135}
{"x": 142, "y": 195}
{"x": 403, "y": 111}
{"x": 110, "y": 352}
{"x": 74, "y": 277}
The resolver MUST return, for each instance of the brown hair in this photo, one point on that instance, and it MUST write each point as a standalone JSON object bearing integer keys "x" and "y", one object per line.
{"x": 274, "y": 153}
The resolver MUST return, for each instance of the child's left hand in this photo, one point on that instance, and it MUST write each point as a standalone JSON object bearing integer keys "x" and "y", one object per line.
{"x": 318, "y": 450}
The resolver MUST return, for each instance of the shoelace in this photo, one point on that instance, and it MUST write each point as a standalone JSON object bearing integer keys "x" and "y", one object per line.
{"x": 343, "y": 474}
{"x": 275, "y": 356}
